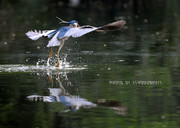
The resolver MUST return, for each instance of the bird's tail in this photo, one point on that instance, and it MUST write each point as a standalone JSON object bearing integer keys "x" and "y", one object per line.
{"x": 34, "y": 35}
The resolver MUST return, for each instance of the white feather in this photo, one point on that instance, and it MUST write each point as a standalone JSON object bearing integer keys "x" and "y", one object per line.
{"x": 80, "y": 32}
{"x": 36, "y": 35}
{"x": 46, "y": 32}
{"x": 74, "y": 32}
{"x": 77, "y": 32}
{"x": 54, "y": 41}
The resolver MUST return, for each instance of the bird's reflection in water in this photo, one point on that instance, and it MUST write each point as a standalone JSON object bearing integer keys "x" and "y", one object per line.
{"x": 114, "y": 105}
{"x": 73, "y": 102}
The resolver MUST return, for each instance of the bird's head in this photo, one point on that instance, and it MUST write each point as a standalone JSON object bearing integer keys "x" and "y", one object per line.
{"x": 73, "y": 24}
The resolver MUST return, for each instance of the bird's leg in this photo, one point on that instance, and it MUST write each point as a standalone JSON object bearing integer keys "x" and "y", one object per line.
{"x": 50, "y": 54}
{"x": 57, "y": 65}
{"x": 61, "y": 45}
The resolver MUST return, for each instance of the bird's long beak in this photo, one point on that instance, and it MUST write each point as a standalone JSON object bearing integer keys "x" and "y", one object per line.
{"x": 78, "y": 25}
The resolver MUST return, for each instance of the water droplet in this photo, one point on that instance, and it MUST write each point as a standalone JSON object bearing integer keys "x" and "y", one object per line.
{"x": 28, "y": 52}
{"x": 38, "y": 47}
{"x": 166, "y": 40}
{"x": 145, "y": 20}
{"x": 137, "y": 60}
{"x": 163, "y": 117}
{"x": 13, "y": 35}
{"x": 27, "y": 59}
{"x": 5, "y": 43}
{"x": 157, "y": 33}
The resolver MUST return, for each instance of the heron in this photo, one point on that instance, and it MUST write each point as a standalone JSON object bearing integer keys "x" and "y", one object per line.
{"x": 73, "y": 29}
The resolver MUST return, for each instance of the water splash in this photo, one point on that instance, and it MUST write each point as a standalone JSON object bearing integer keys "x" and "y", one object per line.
{"x": 46, "y": 63}
{"x": 52, "y": 62}
{"x": 41, "y": 66}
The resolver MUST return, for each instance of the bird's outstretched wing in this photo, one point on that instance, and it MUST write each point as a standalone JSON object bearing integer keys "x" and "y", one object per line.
{"x": 34, "y": 35}
{"x": 56, "y": 35}
{"x": 66, "y": 32}
{"x": 80, "y": 31}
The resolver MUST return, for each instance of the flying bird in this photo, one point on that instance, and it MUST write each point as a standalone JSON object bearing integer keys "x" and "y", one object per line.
{"x": 58, "y": 36}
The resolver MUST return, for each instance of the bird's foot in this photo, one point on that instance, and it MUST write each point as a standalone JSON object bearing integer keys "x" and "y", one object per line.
{"x": 57, "y": 65}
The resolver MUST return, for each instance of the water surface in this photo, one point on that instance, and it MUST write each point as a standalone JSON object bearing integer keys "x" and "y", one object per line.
{"x": 127, "y": 78}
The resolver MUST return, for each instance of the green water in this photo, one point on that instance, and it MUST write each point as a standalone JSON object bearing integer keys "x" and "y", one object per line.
{"x": 130, "y": 78}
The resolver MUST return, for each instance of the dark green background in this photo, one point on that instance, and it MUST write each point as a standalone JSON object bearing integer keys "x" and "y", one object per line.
{"x": 146, "y": 49}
